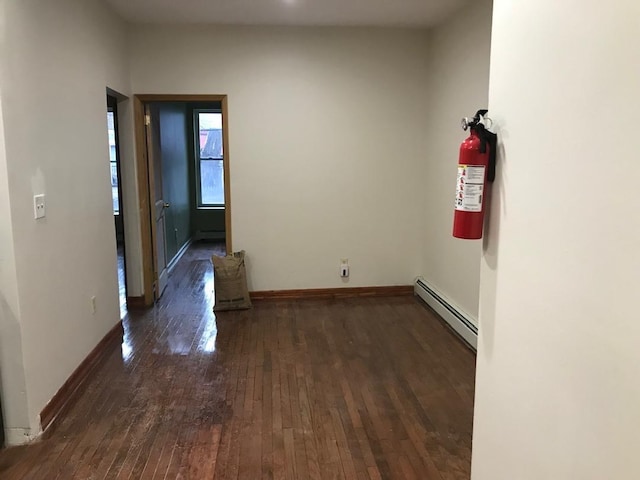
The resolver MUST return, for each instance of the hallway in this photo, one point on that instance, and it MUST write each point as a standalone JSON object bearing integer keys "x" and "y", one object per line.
{"x": 321, "y": 389}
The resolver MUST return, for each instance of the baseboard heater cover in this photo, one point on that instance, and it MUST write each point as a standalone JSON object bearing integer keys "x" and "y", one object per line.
{"x": 459, "y": 321}
{"x": 209, "y": 235}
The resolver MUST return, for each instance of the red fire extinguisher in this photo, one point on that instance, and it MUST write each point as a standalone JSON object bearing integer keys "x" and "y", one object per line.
{"x": 476, "y": 167}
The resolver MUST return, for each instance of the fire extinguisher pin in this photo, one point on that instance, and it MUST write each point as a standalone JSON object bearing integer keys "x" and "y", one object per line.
{"x": 479, "y": 118}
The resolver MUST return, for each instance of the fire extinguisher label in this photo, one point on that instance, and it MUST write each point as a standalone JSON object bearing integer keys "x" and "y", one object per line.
{"x": 470, "y": 188}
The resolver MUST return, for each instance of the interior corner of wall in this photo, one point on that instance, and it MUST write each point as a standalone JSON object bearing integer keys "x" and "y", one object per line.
{"x": 35, "y": 428}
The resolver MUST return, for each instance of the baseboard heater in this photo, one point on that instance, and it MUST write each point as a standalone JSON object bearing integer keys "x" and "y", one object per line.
{"x": 209, "y": 235}
{"x": 460, "y": 322}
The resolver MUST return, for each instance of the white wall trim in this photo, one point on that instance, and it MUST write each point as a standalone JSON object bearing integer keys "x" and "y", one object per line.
{"x": 461, "y": 322}
{"x": 20, "y": 436}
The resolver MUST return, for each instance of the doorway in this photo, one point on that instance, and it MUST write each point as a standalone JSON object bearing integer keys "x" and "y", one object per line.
{"x": 116, "y": 193}
{"x": 182, "y": 147}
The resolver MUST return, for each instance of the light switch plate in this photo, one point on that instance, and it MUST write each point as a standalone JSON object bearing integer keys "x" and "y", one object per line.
{"x": 39, "y": 206}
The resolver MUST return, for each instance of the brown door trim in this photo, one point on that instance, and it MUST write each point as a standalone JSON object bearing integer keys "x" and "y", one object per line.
{"x": 143, "y": 171}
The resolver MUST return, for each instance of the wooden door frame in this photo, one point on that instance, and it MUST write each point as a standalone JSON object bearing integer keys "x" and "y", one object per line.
{"x": 113, "y": 99}
{"x": 144, "y": 189}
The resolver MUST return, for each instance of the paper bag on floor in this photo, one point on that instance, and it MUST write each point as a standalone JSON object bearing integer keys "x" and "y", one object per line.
{"x": 230, "y": 282}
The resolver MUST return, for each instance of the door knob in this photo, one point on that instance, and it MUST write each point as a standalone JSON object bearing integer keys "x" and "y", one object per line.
{"x": 167, "y": 205}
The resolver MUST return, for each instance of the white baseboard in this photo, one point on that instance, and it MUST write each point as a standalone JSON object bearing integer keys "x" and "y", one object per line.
{"x": 19, "y": 436}
{"x": 461, "y": 322}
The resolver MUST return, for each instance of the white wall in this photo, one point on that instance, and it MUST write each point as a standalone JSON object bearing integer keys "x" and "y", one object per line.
{"x": 459, "y": 86}
{"x": 14, "y": 404}
{"x": 559, "y": 358}
{"x": 57, "y": 59}
{"x": 328, "y": 139}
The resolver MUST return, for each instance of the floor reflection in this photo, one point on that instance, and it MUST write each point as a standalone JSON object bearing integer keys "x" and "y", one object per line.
{"x": 207, "y": 342}
{"x": 127, "y": 349}
{"x": 182, "y": 322}
{"x": 122, "y": 288}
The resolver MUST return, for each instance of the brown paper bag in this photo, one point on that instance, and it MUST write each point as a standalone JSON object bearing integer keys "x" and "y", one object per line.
{"x": 230, "y": 282}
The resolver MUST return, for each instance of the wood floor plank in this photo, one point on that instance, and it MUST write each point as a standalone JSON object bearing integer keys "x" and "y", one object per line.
{"x": 267, "y": 420}
{"x": 319, "y": 389}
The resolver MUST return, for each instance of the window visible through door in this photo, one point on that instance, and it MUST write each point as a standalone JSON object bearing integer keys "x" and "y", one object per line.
{"x": 210, "y": 158}
{"x": 113, "y": 162}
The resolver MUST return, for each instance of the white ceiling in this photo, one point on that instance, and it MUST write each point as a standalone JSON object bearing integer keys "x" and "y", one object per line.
{"x": 413, "y": 13}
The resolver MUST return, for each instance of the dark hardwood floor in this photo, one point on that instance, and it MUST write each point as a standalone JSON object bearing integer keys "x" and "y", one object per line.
{"x": 363, "y": 388}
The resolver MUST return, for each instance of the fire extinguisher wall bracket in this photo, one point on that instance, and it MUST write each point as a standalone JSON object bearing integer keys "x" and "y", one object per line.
{"x": 486, "y": 138}
{"x": 476, "y": 167}
{"x": 490, "y": 140}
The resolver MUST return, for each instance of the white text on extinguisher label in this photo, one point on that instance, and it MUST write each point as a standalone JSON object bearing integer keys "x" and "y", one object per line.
{"x": 470, "y": 188}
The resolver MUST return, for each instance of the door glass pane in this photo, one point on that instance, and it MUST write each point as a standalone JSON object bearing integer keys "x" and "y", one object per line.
{"x": 211, "y": 154}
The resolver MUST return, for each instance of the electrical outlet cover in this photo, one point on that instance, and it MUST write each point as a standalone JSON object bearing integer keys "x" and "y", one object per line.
{"x": 39, "y": 206}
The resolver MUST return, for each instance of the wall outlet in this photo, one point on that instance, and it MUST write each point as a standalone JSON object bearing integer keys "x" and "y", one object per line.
{"x": 93, "y": 304}
{"x": 38, "y": 206}
{"x": 344, "y": 270}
